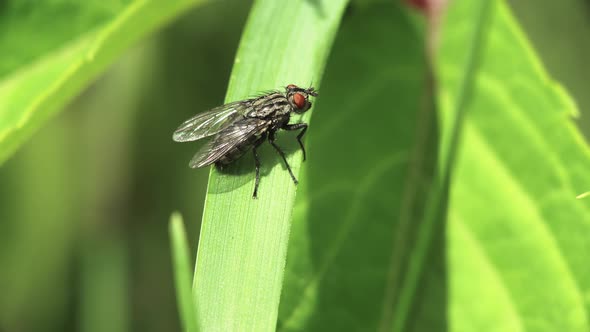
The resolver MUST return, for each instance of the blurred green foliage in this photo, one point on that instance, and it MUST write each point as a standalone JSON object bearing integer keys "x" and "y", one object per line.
{"x": 101, "y": 179}
{"x": 559, "y": 31}
{"x": 37, "y": 21}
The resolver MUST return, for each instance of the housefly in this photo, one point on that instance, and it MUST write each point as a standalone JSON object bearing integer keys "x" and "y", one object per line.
{"x": 245, "y": 124}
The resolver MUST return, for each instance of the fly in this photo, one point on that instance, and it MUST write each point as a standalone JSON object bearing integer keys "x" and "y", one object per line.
{"x": 243, "y": 125}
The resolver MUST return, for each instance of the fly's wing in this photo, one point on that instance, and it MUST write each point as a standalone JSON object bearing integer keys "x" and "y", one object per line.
{"x": 210, "y": 122}
{"x": 236, "y": 133}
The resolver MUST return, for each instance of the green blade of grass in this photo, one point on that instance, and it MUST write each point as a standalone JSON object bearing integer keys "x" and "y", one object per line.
{"x": 33, "y": 90}
{"x": 243, "y": 242}
{"x": 182, "y": 273}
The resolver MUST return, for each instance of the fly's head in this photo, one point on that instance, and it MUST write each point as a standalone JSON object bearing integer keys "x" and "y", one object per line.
{"x": 299, "y": 97}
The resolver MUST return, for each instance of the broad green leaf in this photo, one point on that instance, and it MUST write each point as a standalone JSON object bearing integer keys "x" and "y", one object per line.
{"x": 371, "y": 157}
{"x": 182, "y": 273}
{"x": 56, "y": 48}
{"x": 243, "y": 242}
{"x": 518, "y": 238}
{"x": 413, "y": 298}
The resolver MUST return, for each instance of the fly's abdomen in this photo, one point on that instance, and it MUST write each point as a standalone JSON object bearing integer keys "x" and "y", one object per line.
{"x": 237, "y": 151}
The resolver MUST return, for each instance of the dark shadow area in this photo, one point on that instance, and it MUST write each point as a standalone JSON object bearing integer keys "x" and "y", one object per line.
{"x": 318, "y": 5}
{"x": 242, "y": 170}
{"x": 372, "y": 157}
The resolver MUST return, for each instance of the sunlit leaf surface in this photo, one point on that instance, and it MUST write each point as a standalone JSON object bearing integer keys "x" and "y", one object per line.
{"x": 517, "y": 234}
{"x": 72, "y": 43}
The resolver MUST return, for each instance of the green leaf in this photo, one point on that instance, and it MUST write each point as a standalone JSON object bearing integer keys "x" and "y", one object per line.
{"x": 243, "y": 241}
{"x": 182, "y": 273}
{"x": 371, "y": 160}
{"x": 57, "y": 48}
{"x": 518, "y": 237}
{"x": 513, "y": 254}
{"x": 451, "y": 123}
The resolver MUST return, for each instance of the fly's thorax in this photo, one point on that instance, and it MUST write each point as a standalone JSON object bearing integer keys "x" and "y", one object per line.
{"x": 270, "y": 105}
{"x": 277, "y": 122}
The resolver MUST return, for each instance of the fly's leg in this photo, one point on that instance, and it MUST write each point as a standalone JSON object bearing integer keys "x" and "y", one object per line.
{"x": 257, "y": 163}
{"x": 297, "y": 126}
{"x": 271, "y": 139}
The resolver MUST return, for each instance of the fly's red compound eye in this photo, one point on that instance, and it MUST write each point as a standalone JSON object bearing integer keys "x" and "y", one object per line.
{"x": 299, "y": 100}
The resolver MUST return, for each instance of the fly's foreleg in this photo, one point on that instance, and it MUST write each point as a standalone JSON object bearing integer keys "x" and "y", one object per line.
{"x": 257, "y": 163}
{"x": 271, "y": 139}
{"x": 297, "y": 126}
